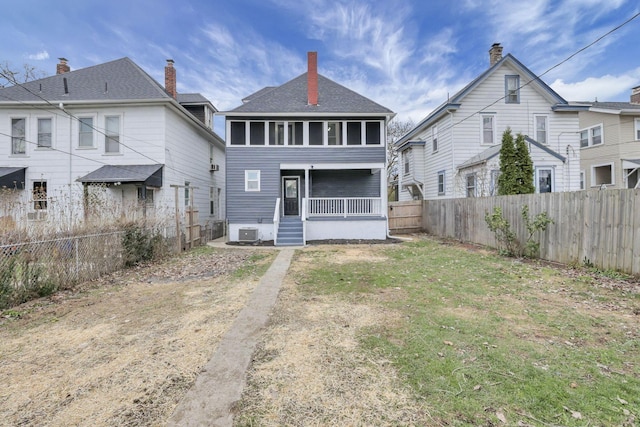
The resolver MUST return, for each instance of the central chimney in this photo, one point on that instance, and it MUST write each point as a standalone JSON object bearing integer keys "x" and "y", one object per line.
{"x": 635, "y": 95}
{"x": 495, "y": 54}
{"x": 62, "y": 67}
{"x": 170, "y": 79}
{"x": 312, "y": 78}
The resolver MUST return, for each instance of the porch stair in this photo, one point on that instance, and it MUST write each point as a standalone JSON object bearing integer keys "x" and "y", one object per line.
{"x": 290, "y": 232}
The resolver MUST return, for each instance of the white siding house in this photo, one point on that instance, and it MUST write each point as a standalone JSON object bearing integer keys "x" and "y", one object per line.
{"x": 460, "y": 140}
{"x": 106, "y": 140}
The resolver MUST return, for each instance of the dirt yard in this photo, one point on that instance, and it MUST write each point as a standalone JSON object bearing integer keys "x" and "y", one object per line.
{"x": 121, "y": 351}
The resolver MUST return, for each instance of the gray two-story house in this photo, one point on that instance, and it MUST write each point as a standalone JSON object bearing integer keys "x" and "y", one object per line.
{"x": 306, "y": 161}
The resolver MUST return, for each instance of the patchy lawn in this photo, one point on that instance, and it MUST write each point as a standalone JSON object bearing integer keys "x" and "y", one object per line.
{"x": 122, "y": 351}
{"x": 439, "y": 334}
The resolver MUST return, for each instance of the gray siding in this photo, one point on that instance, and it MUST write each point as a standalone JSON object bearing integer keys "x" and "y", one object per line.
{"x": 252, "y": 207}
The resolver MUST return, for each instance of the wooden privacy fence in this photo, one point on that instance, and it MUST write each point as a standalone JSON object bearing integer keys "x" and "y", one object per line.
{"x": 598, "y": 227}
{"x": 405, "y": 217}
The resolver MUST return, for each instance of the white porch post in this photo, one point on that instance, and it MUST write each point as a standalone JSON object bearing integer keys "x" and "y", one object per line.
{"x": 306, "y": 188}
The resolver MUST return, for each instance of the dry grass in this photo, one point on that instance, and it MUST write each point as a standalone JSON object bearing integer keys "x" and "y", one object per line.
{"x": 123, "y": 351}
{"x": 308, "y": 369}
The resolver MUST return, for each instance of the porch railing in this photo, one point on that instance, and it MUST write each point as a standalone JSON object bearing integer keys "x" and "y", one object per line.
{"x": 276, "y": 221}
{"x": 344, "y": 206}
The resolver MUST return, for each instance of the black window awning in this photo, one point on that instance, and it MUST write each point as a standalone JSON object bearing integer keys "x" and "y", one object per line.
{"x": 147, "y": 175}
{"x": 12, "y": 178}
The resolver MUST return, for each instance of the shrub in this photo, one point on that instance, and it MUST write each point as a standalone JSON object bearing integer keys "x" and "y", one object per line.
{"x": 507, "y": 241}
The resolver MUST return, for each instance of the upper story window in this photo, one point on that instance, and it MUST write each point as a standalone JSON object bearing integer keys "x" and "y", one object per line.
{"x": 298, "y": 133}
{"x": 488, "y": 129}
{"x": 638, "y": 129}
{"x": 256, "y": 133}
{"x": 334, "y": 133}
{"x": 112, "y": 134}
{"x": 591, "y": 136}
{"x": 18, "y": 136}
{"x": 541, "y": 123}
{"x": 512, "y": 89}
{"x": 354, "y": 133}
{"x": 295, "y": 136}
{"x": 276, "y": 133}
{"x": 238, "y": 133}
{"x": 315, "y": 133}
{"x": 44, "y": 133}
{"x": 85, "y": 132}
{"x": 434, "y": 138}
{"x": 372, "y": 136}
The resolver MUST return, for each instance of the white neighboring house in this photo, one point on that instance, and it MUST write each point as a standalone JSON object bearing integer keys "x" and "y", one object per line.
{"x": 454, "y": 151}
{"x": 107, "y": 140}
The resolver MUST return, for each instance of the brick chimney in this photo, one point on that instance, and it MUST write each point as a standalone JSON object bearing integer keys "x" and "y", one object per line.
{"x": 312, "y": 78}
{"x": 635, "y": 95}
{"x": 170, "y": 78}
{"x": 495, "y": 54}
{"x": 62, "y": 66}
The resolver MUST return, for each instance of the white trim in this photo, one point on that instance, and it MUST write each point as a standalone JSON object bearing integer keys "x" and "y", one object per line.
{"x": 493, "y": 125}
{"x": 284, "y": 192}
{"x": 636, "y": 133}
{"x": 593, "y": 174}
{"x": 327, "y": 166}
{"x": 120, "y": 126}
{"x": 589, "y": 131}
{"x": 546, "y": 128}
{"x": 537, "y": 178}
{"x": 247, "y": 180}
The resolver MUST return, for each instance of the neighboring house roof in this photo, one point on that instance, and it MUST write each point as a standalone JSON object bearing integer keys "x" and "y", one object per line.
{"x": 494, "y": 150}
{"x": 560, "y": 104}
{"x": 410, "y": 144}
{"x": 150, "y": 175}
{"x": 121, "y": 79}
{"x": 615, "y": 107}
{"x": 292, "y": 98}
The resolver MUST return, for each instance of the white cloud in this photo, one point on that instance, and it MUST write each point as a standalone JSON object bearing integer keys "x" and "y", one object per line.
{"x": 604, "y": 88}
{"x": 38, "y": 56}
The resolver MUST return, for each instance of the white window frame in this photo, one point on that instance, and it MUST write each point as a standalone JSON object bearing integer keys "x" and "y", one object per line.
{"x": 593, "y": 174}
{"x": 23, "y": 137}
{"x": 637, "y": 130}
{"x": 93, "y": 132}
{"x": 553, "y": 178}
{"x": 492, "y": 116}
{"x": 467, "y": 187}
{"x": 590, "y": 130}
{"x": 39, "y": 203}
{"x": 38, "y": 133}
{"x": 545, "y": 119}
{"x": 434, "y": 139}
{"x": 108, "y": 135}
{"x": 252, "y": 183}
{"x": 380, "y": 132}
{"x": 187, "y": 193}
{"x": 406, "y": 162}
{"x": 509, "y": 92}
{"x": 145, "y": 194}
{"x": 494, "y": 174}
{"x": 442, "y": 184}
{"x": 337, "y": 134}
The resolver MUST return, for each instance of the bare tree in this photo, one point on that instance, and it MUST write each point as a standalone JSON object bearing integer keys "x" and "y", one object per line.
{"x": 396, "y": 130}
{"x": 10, "y": 75}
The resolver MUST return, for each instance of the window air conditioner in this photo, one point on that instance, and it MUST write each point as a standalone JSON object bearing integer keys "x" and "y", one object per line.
{"x": 214, "y": 167}
{"x": 248, "y": 234}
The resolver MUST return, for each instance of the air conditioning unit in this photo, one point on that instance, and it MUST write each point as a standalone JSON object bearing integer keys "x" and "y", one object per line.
{"x": 248, "y": 234}
{"x": 37, "y": 216}
{"x": 214, "y": 167}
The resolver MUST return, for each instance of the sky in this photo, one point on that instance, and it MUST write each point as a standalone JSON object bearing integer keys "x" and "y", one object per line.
{"x": 407, "y": 55}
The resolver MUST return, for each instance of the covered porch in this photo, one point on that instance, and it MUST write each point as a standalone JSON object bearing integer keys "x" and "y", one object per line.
{"x": 331, "y": 201}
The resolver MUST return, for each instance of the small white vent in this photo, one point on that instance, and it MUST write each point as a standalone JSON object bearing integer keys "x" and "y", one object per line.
{"x": 214, "y": 167}
{"x": 248, "y": 234}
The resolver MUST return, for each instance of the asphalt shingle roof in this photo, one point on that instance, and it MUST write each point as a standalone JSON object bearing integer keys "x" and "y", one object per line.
{"x": 615, "y": 105}
{"x": 291, "y": 97}
{"x": 121, "y": 79}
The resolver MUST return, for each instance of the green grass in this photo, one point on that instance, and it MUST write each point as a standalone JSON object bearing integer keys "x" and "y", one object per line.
{"x": 484, "y": 334}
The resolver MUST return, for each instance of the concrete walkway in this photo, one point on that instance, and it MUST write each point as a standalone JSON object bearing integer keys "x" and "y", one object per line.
{"x": 221, "y": 381}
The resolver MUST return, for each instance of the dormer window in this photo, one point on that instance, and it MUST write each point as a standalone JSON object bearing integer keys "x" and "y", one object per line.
{"x": 512, "y": 89}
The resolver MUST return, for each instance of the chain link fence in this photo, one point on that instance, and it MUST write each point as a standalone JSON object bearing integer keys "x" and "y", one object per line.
{"x": 33, "y": 269}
